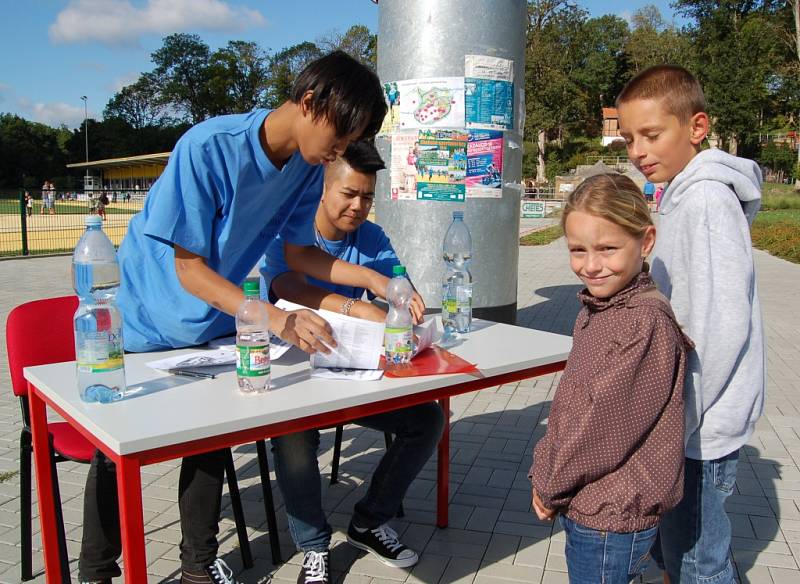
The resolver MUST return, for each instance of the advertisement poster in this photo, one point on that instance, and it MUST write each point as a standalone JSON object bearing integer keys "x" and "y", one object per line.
{"x": 431, "y": 103}
{"x": 442, "y": 165}
{"x": 403, "y": 166}
{"x": 489, "y": 92}
{"x": 392, "y": 119}
{"x": 485, "y": 164}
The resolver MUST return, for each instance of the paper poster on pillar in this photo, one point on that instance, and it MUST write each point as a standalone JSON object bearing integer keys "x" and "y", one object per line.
{"x": 403, "y": 166}
{"x": 431, "y": 103}
{"x": 489, "y": 92}
{"x": 391, "y": 120}
{"x": 485, "y": 164}
{"x": 442, "y": 165}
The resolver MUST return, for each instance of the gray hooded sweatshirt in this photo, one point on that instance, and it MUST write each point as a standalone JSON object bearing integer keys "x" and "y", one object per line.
{"x": 703, "y": 262}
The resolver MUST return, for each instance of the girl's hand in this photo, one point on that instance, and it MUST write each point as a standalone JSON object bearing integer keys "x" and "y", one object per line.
{"x": 542, "y": 512}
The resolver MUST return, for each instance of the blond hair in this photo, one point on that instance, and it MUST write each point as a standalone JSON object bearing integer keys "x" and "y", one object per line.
{"x": 677, "y": 89}
{"x": 613, "y": 197}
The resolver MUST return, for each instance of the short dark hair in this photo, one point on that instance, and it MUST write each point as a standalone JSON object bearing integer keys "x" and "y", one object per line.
{"x": 363, "y": 157}
{"x": 678, "y": 89}
{"x": 345, "y": 91}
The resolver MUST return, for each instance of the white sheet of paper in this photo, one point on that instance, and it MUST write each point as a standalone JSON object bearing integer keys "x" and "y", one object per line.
{"x": 348, "y": 374}
{"x": 277, "y": 346}
{"x": 359, "y": 342}
{"x": 425, "y": 335}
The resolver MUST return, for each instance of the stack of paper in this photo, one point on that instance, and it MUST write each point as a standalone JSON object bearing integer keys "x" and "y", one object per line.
{"x": 220, "y": 352}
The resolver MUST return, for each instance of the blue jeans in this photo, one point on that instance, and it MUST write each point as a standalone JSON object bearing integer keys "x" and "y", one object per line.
{"x": 605, "y": 557}
{"x": 416, "y": 433}
{"x": 695, "y": 536}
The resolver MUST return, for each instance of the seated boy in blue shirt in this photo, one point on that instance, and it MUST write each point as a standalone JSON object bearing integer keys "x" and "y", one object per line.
{"x": 343, "y": 231}
{"x": 231, "y": 185}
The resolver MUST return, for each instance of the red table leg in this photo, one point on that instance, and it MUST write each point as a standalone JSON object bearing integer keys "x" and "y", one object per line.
{"x": 129, "y": 486}
{"x": 44, "y": 484}
{"x": 443, "y": 468}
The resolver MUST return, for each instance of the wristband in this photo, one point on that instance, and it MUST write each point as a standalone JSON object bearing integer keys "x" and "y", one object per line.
{"x": 347, "y": 305}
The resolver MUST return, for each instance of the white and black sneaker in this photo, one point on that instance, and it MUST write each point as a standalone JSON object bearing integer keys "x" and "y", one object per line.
{"x": 384, "y": 544}
{"x": 315, "y": 568}
{"x": 216, "y": 573}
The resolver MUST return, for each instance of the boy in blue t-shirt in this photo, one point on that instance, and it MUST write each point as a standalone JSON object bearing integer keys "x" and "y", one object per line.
{"x": 342, "y": 230}
{"x": 232, "y": 184}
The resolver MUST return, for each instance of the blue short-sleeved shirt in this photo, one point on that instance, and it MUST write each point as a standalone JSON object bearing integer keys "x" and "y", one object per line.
{"x": 367, "y": 246}
{"x": 219, "y": 197}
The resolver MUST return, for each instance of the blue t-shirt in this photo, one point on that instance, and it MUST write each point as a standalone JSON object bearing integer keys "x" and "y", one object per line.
{"x": 367, "y": 246}
{"x": 221, "y": 198}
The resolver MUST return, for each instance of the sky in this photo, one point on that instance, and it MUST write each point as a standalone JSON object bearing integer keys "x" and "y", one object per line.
{"x": 54, "y": 52}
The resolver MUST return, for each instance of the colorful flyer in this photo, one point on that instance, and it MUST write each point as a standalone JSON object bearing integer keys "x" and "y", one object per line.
{"x": 442, "y": 165}
{"x": 392, "y": 119}
{"x": 431, "y": 103}
{"x": 485, "y": 164}
{"x": 489, "y": 92}
{"x": 403, "y": 166}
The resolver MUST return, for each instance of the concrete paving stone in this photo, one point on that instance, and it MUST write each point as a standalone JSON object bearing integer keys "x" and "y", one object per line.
{"x": 505, "y": 572}
{"x": 460, "y": 571}
{"x": 556, "y": 563}
{"x": 368, "y": 566}
{"x": 553, "y": 577}
{"x": 429, "y": 569}
{"x": 533, "y": 531}
{"x": 532, "y": 552}
{"x": 766, "y": 528}
{"x": 501, "y": 549}
{"x": 759, "y": 545}
{"x": 757, "y": 575}
{"x": 747, "y": 557}
{"x": 483, "y": 519}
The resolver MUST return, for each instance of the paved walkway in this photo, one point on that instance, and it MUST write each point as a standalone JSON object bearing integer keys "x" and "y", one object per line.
{"x": 493, "y": 538}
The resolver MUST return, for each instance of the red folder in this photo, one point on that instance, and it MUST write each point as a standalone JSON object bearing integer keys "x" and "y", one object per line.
{"x": 433, "y": 361}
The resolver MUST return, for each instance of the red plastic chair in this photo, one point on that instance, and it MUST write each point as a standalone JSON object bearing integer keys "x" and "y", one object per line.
{"x": 38, "y": 333}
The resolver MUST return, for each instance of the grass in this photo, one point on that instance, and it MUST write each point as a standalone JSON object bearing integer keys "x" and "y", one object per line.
{"x": 4, "y": 476}
{"x": 542, "y": 236}
{"x": 778, "y": 232}
{"x": 11, "y": 207}
{"x": 778, "y": 196}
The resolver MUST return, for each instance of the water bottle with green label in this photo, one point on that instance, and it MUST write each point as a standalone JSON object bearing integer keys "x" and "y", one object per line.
{"x": 252, "y": 342}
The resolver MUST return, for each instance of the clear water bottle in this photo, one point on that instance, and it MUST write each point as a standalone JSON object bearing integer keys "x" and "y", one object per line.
{"x": 252, "y": 342}
{"x": 457, "y": 282}
{"x": 97, "y": 323}
{"x": 399, "y": 332}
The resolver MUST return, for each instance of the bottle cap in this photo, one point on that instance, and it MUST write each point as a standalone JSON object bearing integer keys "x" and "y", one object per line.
{"x": 398, "y": 271}
{"x": 458, "y": 214}
{"x": 251, "y": 288}
{"x": 92, "y": 220}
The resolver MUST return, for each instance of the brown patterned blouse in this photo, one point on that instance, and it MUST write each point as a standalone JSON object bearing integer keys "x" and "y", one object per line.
{"x": 612, "y": 458}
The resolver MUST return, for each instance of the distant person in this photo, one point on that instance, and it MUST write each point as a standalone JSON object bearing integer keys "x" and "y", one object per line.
{"x": 51, "y": 199}
{"x": 45, "y": 197}
{"x": 702, "y": 262}
{"x": 28, "y": 204}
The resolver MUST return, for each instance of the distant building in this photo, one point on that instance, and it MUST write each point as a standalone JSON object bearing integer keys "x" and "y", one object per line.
{"x": 130, "y": 172}
{"x": 610, "y": 125}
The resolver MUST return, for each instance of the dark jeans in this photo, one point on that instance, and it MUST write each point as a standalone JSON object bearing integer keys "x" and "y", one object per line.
{"x": 416, "y": 432}
{"x": 199, "y": 501}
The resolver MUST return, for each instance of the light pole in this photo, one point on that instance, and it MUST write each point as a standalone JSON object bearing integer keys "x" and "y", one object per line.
{"x": 86, "y": 134}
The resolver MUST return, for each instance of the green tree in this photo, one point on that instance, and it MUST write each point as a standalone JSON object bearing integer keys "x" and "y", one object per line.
{"x": 654, "y": 42}
{"x": 29, "y": 152}
{"x": 140, "y": 104}
{"x": 358, "y": 42}
{"x": 238, "y": 78}
{"x": 182, "y": 66}
{"x": 554, "y": 98}
{"x": 285, "y": 66}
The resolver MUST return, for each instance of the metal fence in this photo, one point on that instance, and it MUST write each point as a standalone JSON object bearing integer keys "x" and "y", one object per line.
{"x": 48, "y": 222}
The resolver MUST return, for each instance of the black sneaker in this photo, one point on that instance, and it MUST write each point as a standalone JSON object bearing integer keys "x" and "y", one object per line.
{"x": 315, "y": 568}
{"x": 216, "y": 573}
{"x": 384, "y": 544}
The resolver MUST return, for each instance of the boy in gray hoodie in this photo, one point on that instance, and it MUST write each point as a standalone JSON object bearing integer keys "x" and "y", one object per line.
{"x": 702, "y": 262}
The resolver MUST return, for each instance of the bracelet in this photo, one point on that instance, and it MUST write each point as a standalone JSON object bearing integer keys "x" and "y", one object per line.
{"x": 347, "y": 305}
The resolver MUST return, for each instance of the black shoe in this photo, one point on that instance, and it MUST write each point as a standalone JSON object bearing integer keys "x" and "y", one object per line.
{"x": 215, "y": 573}
{"x": 384, "y": 544}
{"x": 315, "y": 568}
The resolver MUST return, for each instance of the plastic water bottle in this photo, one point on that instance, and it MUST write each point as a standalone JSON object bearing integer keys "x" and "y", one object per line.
{"x": 457, "y": 282}
{"x": 252, "y": 342}
{"x": 399, "y": 332}
{"x": 97, "y": 323}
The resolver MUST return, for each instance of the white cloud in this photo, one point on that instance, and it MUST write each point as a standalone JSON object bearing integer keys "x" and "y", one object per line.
{"x": 119, "y": 22}
{"x": 53, "y": 113}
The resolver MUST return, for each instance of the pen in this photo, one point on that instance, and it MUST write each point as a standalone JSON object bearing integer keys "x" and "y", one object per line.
{"x": 198, "y": 374}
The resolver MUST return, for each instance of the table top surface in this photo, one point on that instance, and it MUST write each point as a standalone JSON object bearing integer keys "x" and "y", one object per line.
{"x": 160, "y": 409}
